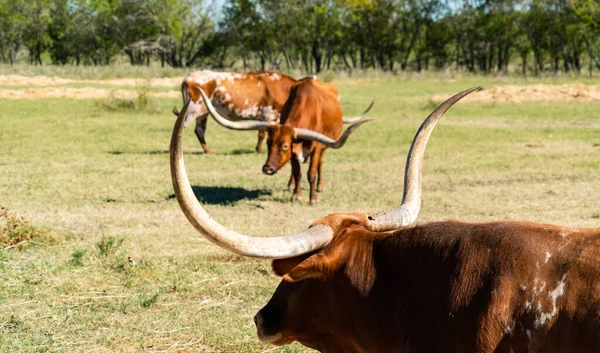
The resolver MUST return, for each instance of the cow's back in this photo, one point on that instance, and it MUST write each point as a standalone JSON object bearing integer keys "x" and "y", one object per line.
{"x": 241, "y": 95}
{"x": 529, "y": 286}
{"x": 312, "y": 105}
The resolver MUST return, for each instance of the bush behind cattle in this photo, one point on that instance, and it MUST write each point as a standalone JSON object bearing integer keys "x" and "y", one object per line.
{"x": 133, "y": 275}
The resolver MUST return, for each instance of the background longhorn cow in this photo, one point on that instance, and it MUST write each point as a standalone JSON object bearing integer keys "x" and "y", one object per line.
{"x": 372, "y": 283}
{"x": 238, "y": 96}
{"x": 311, "y": 121}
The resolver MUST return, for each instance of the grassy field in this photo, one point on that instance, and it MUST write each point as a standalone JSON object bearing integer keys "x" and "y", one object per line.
{"x": 115, "y": 266}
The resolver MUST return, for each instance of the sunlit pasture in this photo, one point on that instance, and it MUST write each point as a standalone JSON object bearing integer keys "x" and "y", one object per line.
{"x": 115, "y": 266}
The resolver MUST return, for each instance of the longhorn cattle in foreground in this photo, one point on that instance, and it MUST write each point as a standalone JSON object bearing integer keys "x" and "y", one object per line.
{"x": 375, "y": 283}
{"x": 311, "y": 121}
{"x": 238, "y": 96}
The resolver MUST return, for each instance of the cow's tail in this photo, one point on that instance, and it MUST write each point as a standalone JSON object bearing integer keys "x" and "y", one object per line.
{"x": 184, "y": 95}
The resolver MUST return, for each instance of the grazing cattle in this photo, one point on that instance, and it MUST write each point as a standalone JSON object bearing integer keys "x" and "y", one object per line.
{"x": 311, "y": 121}
{"x": 377, "y": 283}
{"x": 237, "y": 96}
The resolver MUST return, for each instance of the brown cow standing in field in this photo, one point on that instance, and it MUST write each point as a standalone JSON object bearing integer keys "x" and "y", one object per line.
{"x": 311, "y": 121}
{"x": 238, "y": 96}
{"x": 377, "y": 283}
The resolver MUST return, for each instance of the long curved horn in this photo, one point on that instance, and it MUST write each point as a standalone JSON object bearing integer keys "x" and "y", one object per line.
{"x": 307, "y": 134}
{"x": 355, "y": 119}
{"x": 408, "y": 211}
{"x": 274, "y": 248}
{"x": 233, "y": 125}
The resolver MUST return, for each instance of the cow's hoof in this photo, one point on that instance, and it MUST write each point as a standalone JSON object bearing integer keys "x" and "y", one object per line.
{"x": 321, "y": 188}
{"x": 296, "y": 198}
{"x": 314, "y": 200}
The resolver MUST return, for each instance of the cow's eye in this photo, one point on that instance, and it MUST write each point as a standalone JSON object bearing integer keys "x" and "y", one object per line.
{"x": 285, "y": 147}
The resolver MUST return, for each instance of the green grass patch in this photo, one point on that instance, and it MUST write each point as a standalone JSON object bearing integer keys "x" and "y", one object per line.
{"x": 143, "y": 102}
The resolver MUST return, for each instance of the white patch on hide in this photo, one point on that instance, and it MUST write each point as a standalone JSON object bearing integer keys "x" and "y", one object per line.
{"x": 269, "y": 114}
{"x": 548, "y": 256}
{"x": 554, "y": 295}
{"x": 566, "y": 231}
{"x": 205, "y": 76}
{"x": 248, "y": 113}
{"x": 274, "y": 76}
{"x": 304, "y": 154}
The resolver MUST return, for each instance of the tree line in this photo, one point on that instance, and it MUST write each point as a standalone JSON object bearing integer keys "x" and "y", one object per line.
{"x": 530, "y": 37}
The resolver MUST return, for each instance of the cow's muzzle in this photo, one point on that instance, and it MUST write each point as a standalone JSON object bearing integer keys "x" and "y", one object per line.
{"x": 269, "y": 169}
{"x": 266, "y": 333}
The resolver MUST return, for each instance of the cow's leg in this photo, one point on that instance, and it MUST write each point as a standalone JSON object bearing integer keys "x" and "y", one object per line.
{"x": 315, "y": 159}
{"x": 320, "y": 184}
{"x": 200, "y": 130}
{"x": 296, "y": 175}
{"x": 261, "y": 137}
{"x": 291, "y": 183}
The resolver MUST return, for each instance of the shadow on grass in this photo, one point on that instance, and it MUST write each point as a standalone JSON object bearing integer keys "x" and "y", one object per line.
{"x": 239, "y": 152}
{"x": 156, "y": 152}
{"x": 224, "y": 195}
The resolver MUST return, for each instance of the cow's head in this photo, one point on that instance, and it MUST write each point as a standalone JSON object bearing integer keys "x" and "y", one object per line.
{"x": 334, "y": 253}
{"x": 312, "y": 283}
{"x": 279, "y": 143}
{"x": 281, "y": 137}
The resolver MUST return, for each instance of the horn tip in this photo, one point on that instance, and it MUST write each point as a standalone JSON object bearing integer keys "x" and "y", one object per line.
{"x": 367, "y": 120}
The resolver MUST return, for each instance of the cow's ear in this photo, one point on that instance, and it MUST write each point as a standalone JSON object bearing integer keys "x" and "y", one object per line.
{"x": 283, "y": 266}
{"x": 352, "y": 251}
{"x": 360, "y": 267}
{"x": 320, "y": 265}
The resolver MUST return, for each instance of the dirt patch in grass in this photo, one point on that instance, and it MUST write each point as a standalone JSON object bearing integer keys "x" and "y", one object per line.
{"x": 17, "y": 231}
{"x": 79, "y": 93}
{"x": 541, "y": 92}
{"x": 18, "y": 80}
